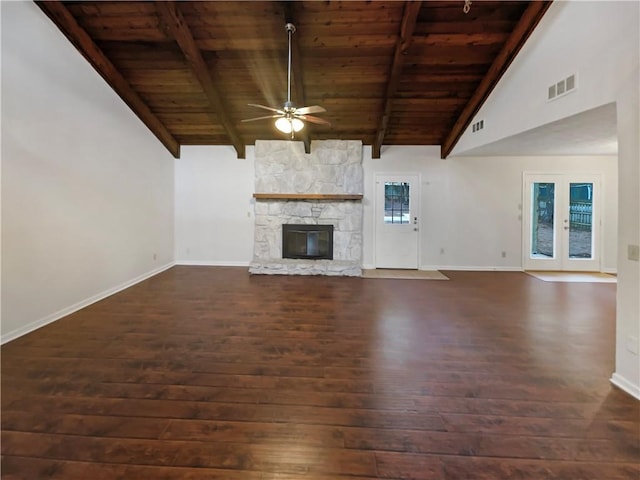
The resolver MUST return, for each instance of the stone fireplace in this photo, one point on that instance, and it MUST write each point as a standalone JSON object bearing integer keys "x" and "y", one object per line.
{"x": 317, "y": 192}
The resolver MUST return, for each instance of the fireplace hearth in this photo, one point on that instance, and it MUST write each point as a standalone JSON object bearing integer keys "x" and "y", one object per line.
{"x": 312, "y": 242}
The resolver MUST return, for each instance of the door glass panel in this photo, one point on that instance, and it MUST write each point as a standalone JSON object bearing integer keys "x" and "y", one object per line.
{"x": 542, "y": 224}
{"x": 396, "y": 203}
{"x": 580, "y": 214}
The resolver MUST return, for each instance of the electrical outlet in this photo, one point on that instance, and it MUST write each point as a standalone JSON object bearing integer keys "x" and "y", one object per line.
{"x": 632, "y": 344}
{"x": 633, "y": 252}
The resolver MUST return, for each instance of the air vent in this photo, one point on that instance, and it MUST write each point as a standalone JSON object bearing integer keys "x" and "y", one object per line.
{"x": 564, "y": 86}
{"x": 571, "y": 82}
{"x": 477, "y": 126}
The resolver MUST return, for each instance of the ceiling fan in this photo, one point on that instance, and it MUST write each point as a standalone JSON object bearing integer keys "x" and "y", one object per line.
{"x": 289, "y": 118}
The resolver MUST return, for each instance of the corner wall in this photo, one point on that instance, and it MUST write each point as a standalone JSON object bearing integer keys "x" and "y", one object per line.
{"x": 87, "y": 190}
{"x": 214, "y": 206}
{"x": 627, "y": 374}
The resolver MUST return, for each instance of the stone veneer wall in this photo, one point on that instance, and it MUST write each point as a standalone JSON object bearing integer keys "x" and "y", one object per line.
{"x": 332, "y": 167}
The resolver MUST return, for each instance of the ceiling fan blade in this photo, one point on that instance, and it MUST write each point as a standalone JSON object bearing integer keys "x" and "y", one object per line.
{"x": 260, "y": 118}
{"x": 312, "y": 119}
{"x": 311, "y": 109}
{"x": 266, "y": 108}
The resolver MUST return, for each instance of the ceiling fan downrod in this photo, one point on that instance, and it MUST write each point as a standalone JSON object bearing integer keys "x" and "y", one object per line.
{"x": 289, "y": 118}
{"x": 290, "y": 29}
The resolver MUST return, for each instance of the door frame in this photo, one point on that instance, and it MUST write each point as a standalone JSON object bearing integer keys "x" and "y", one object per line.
{"x": 562, "y": 263}
{"x": 376, "y": 201}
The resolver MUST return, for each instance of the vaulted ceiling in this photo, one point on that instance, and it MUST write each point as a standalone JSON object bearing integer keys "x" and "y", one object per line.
{"x": 387, "y": 72}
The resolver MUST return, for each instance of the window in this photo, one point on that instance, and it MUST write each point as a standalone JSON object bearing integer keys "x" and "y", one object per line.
{"x": 396, "y": 203}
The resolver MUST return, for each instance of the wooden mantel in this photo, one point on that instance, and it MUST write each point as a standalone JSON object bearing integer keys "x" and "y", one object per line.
{"x": 307, "y": 196}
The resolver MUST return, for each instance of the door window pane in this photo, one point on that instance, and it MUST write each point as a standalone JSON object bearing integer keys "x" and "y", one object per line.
{"x": 396, "y": 203}
{"x": 542, "y": 224}
{"x": 580, "y": 214}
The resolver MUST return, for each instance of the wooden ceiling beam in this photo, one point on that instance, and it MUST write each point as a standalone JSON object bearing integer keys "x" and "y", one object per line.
{"x": 174, "y": 23}
{"x": 407, "y": 27}
{"x": 528, "y": 22}
{"x": 296, "y": 70}
{"x": 80, "y": 39}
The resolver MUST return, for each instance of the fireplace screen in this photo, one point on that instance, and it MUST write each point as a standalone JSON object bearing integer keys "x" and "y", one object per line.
{"x": 307, "y": 241}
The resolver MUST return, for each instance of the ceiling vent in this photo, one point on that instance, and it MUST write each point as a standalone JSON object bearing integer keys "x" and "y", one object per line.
{"x": 477, "y": 126}
{"x": 564, "y": 86}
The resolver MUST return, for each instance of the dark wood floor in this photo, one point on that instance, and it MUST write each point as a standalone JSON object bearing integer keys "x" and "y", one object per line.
{"x": 210, "y": 373}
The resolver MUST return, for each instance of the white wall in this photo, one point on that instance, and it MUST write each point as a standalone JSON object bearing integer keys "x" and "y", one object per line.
{"x": 471, "y": 207}
{"x": 627, "y": 374}
{"x": 593, "y": 39}
{"x": 214, "y": 206}
{"x": 87, "y": 190}
{"x": 600, "y": 42}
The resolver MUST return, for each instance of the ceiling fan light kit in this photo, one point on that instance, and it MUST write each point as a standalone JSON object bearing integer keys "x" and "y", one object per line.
{"x": 290, "y": 119}
{"x": 287, "y": 125}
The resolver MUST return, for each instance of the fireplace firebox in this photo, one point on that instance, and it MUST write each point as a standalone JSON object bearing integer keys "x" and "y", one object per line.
{"x": 313, "y": 242}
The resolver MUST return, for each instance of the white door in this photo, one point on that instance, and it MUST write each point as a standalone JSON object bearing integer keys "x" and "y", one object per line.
{"x": 397, "y": 202}
{"x": 561, "y": 228}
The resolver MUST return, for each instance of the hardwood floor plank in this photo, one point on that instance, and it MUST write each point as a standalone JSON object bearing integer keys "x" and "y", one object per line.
{"x": 264, "y": 433}
{"x": 491, "y": 468}
{"x": 159, "y": 391}
{"x": 464, "y": 444}
{"x": 493, "y": 424}
{"x": 28, "y": 468}
{"x": 21, "y": 365}
{"x": 265, "y": 382}
{"x": 507, "y": 407}
{"x": 612, "y": 440}
{"x": 411, "y": 441}
{"x": 409, "y": 465}
{"x": 211, "y": 373}
{"x": 87, "y": 425}
{"x": 313, "y": 476}
{"x": 171, "y": 409}
{"x": 624, "y": 450}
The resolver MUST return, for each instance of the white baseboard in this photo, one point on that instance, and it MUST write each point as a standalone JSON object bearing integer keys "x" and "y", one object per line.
{"x": 470, "y": 268}
{"x": 625, "y": 385}
{"x": 36, "y": 324}
{"x": 208, "y": 263}
{"x": 431, "y": 268}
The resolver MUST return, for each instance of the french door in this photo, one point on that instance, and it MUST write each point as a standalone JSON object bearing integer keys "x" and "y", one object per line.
{"x": 397, "y": 205}
{"x": 561, "y": 227}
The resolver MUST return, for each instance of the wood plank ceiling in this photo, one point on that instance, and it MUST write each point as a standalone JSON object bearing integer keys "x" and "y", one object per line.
{"x": 387, "y": 72}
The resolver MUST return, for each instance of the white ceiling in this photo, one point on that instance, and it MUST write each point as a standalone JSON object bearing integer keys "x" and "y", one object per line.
{"x": 592, "y": 132}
